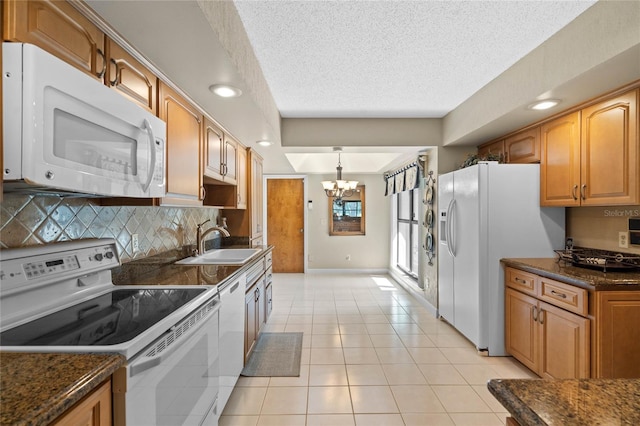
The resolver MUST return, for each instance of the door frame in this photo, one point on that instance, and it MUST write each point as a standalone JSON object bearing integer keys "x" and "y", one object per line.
{"x": 304, "y": 179}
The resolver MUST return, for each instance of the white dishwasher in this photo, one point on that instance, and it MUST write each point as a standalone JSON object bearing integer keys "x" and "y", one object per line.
{"x": 231, "y": 337}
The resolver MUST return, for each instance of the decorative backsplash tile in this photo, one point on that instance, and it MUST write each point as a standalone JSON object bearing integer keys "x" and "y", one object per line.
{"x": 40, "y": 219}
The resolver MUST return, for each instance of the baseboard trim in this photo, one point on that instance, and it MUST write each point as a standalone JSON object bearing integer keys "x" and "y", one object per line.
{"x": 414, "y": 290}
{"x": 349, "y": 271}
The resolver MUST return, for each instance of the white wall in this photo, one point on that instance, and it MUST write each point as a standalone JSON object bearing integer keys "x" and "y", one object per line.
{"x": 368, "y": 252}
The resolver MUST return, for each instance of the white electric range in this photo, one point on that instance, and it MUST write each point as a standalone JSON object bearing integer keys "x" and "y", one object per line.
{"x": 60, "y": 298}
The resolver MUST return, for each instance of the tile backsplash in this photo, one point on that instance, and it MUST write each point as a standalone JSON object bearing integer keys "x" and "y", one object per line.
{"x": 598, "y": 227}
{"x": 28, "y": 220}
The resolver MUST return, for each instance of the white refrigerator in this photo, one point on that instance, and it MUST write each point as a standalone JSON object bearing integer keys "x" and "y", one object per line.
{"x": 488, "y": 212}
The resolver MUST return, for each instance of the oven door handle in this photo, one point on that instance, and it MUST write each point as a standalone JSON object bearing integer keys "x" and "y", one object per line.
{"x": 146, "y": 363}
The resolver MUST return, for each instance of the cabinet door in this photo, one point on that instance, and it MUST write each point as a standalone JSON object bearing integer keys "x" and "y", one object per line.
{"x": 565, "y": 344}
{"x": 521, "y": 332}
{"x": 617, "y": 334}
{"x": 128, "y": 76}
{"x": 560, "y": 161}
{"x": 523, "y": 147}
{"x": 495, "y": 148}
{"x": 610, "y": 152}
{"x": 213, "y": 150}
{"x": 241, "y": 178}
{"x": 230, "y": 160}
{"x": 250, "y": 320}
{"x": 256, "y": 195}
{"x": 58, "y": 28}
{"x": 93, "y": 410}
{"x": 268, "y": 300}
{"x": 260, "y": 306}
{"x": 184, "y": 175}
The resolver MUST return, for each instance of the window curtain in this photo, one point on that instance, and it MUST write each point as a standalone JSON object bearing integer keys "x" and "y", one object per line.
{"x": 402, "y": 179}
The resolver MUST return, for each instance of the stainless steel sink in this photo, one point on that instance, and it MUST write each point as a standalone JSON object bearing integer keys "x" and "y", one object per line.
{"x": 221, "y": 257}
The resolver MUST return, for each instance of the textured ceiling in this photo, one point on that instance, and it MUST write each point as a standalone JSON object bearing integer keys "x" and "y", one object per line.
{"x": 392, "y": 58}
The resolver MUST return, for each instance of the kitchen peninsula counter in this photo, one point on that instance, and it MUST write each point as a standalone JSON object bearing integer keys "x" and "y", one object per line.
{"x": 36, "y": 388}
{"x": 590, "y": 279}
{"x": 567, "y": 402}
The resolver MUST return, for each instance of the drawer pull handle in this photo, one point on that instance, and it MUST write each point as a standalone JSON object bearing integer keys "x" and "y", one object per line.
{"x": 520, "y": 280}
{"x": 555, "y": 293}
{"x": 534, "y": 312}
{"x": 541, "y": 316}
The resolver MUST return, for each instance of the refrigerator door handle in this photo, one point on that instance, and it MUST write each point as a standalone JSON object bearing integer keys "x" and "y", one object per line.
{"x": 452, "y": 229}
{"x": 448, "y": 229}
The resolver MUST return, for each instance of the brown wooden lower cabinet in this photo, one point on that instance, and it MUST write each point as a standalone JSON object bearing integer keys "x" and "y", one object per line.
{"x": 559, "y": 330}
{"x": 510, "y": 421}
{"x": 551, "y": 342}
{"x": 92, "y": 410}
{"x": 618, "y": 334}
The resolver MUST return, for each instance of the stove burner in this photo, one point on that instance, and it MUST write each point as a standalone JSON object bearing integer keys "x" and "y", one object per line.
{"x": 601, "y": 260}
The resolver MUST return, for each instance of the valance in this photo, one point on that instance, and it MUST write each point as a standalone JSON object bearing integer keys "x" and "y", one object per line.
{"x": 403, "y": 179}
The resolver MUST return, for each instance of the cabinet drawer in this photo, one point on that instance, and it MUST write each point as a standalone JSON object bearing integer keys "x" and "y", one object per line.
{"x": 520, "y": 280}
{"x": 564, "y": 296}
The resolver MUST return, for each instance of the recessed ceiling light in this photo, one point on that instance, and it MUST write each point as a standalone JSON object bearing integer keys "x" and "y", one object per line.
{"x": 544, "y": 104}
{"x": 264, "y": 143}
{"x": 225, "y": 91}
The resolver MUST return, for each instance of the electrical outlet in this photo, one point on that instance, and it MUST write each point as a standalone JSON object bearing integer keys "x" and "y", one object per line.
{"x": 623, "y": 239}
{"x": 348, "y": 257}
{"x": 135, "y": 244}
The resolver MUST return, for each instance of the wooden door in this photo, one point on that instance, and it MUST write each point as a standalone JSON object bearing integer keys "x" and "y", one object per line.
{"x": 184, "y": 172}
{"x": 58, "y": 28}
{"x": 610, "y": 152}
{"x": 560, "y": 161}
{"x": 132, "y": 79}
{"x": 285, "y": 223}
{"x": 564, "y": 344}
{"x": 523, "y": 147}
{"x": 521, "y": 331}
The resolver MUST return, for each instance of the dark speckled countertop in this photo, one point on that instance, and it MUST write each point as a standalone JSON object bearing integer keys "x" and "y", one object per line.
{"x": 36, "y": 388}
{"x": 162, "y": 270}
{"x": 583, "y": 277}
{"x": 570, "y": 402}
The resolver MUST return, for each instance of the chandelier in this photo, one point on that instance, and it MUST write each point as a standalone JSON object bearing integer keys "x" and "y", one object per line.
{"x": 339, "y": 188}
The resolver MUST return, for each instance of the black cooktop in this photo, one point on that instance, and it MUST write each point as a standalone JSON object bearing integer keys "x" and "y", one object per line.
{"x": 110, "y": 319}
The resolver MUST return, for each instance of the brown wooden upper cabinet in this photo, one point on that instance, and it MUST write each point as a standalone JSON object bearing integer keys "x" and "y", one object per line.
{"x": 225, "y": 169}
{"x": 256, "y": 198}
{"x": 523, "y": 147}
{"x": 132, "y": 79}
{"x": 58, "y": 28}
{"x": 590, "y": 157}
{"x": 221, "y": 159}
{"x": 495, "y": 148}
{"x": 184, "y": 135}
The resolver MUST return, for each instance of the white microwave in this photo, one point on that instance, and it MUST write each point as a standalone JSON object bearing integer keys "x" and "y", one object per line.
{"x": 65, "y": 132}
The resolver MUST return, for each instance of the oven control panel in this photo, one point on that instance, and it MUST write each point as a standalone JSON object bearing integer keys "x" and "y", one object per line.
{"x": 44, "y": 266}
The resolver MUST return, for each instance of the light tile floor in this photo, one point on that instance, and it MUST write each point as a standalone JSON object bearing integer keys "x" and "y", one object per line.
{"x": 372, "y": 355}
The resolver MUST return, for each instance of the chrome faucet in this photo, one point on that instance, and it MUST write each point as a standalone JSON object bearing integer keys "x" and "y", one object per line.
{"x": 200, "y": 236}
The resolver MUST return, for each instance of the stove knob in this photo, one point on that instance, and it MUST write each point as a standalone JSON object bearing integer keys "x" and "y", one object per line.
{"x": 109, "y": 255}
{"x": 98, "y": 257}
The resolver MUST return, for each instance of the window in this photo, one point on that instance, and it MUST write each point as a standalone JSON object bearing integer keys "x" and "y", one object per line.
{"x": 407, "y": 232}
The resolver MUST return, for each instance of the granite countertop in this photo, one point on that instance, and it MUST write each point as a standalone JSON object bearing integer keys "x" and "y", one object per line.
{"x": 162, "y": 270}
{"x": 589, "y": 278}
{"x": 36, "y": 388}
{"x": 569, "y": 402}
